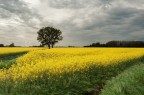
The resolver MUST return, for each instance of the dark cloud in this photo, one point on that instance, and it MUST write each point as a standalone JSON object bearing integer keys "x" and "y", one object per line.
{"x": 16, "y": 18}
{"x": 16, "y": 7}
{"x": 82, "y": 21}
{"x": 77, "y": 4}
{"x": 19, "y": 11}
{"x": 138, "y": 20}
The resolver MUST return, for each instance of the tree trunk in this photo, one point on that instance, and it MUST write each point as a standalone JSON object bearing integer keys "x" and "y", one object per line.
{"x": 52, "y": 46}
{"x": 49, "y": 46}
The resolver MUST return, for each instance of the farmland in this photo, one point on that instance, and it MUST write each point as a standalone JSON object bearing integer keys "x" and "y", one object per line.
{"x": 13, "y": 50}
{"x": 63, "y": 71}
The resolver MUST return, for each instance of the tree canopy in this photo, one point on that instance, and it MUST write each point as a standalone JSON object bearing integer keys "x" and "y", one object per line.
{"x": 49, "y": 36}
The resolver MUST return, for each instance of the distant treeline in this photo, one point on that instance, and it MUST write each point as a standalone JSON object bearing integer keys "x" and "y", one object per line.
{"x": 11, "y": 45}
{"x": 118, "y": 44}
{"x": 98, "y": 44}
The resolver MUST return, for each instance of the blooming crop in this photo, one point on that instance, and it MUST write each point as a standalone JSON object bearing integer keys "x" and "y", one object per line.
{"x": 55, "y": 62}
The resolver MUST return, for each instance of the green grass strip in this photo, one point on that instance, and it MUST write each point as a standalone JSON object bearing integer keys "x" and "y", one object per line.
{"x": 130, "y": 82}
{"x": 6, "y": 60}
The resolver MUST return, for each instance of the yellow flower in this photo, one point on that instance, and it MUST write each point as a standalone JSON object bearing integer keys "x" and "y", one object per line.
{"x": 39, "y": 63}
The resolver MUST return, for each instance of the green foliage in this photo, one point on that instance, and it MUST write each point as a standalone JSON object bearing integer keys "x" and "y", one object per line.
{"x": 49, "y": 36}
{"x": 6, "y": 60}
{"x": 130, "y": 82}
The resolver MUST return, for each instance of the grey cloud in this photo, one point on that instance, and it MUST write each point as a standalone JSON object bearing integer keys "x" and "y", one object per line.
{"x": 117, "y": 24}
{"x": 82, "y": 21}
{"x": 138, "y": 21}
{"x": 68, "y": 3}
{"x": 15, "y": 7}
{"x": 18, "y": 22}
{"x": 77, "y": 4}
{"x": 19, "y": 9}
{"x": 135, "y": 2}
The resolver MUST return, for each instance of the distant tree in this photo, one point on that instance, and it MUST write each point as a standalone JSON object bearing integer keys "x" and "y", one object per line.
{"x": 12, "y": 45}
{"x": 95, "y": 45}
{"x": 112, "y": 43}
{"x": 98, "y": 44}
{"x": 71, "y": 46}
{"x": 49, "y": 36}
{"x": 125, "y": 44}
{"x": 1, "y": 45}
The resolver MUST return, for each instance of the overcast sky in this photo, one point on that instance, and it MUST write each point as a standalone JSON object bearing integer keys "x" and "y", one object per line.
{"x": 81, "y": 21}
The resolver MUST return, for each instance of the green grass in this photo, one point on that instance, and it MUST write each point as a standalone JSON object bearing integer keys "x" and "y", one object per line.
{"x": 130, "y": 82}
{"x": 6, "y": 60}
{"x": 88, "y": 82}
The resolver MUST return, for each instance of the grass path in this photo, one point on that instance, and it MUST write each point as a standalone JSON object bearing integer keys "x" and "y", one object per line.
{"x": 130, "y": 82}
{"x": 120, "y": 77}
{"x": 6, "y": 60}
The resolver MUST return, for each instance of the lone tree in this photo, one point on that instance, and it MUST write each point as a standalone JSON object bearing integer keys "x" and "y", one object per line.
{"x": 49, "y": 36}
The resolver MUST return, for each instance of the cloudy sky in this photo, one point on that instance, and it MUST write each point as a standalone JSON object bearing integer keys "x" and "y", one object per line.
{"x": 81, "y": 21}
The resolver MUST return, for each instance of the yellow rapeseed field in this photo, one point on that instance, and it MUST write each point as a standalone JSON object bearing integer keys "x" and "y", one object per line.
{"x": 58, "y": 61}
